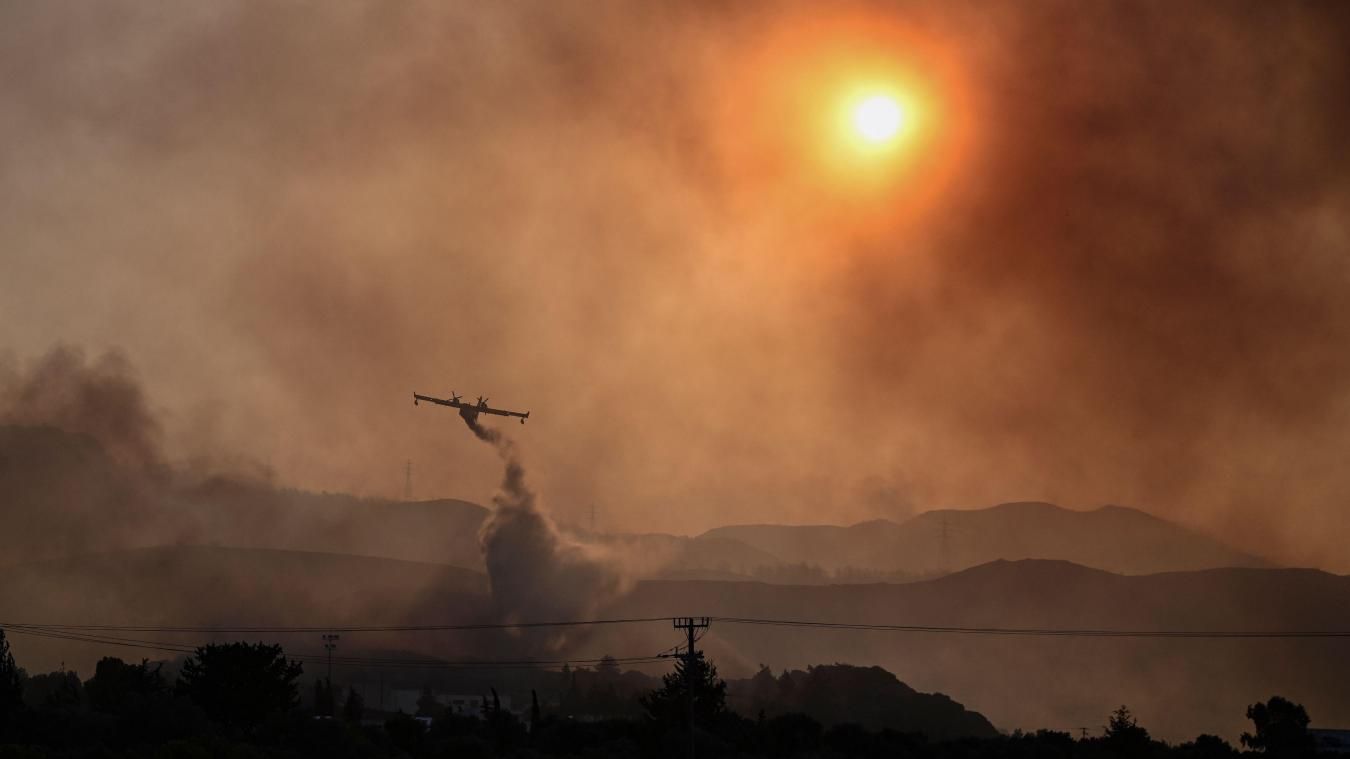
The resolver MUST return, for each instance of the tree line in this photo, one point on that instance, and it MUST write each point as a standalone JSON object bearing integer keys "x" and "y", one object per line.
{"x": 243, "y": 700}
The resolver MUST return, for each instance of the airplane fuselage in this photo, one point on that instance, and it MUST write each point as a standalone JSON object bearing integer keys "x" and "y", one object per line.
{"x": 469, "y": 413}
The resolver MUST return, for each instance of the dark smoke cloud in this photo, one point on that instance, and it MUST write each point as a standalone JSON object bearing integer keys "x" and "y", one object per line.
{"x": 536, "y": 573}
{"x": 80, "y": 464}
{"x": 102, "y": 399}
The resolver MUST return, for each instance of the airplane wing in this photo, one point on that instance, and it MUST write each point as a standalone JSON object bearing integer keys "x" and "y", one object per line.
{"x": 437, "y": 401}
{"x": 503, "y": 412}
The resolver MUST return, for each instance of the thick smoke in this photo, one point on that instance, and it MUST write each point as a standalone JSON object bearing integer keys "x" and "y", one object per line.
{"x": 536, "y": 573}
{"x": 101, "y": 399}
{"x": 1131, "y": 289}
{"x": 80, "y": 463}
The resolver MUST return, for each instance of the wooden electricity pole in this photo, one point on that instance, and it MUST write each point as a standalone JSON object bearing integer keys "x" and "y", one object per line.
{"x": 690, "y": 625}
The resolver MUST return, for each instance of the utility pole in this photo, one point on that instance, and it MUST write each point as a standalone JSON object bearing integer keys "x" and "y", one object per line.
{"x": 592, "y": 517}
{"x": 407, "y": 481}
{"x": 329, "y": 643}
{"x": 691, "y": 625}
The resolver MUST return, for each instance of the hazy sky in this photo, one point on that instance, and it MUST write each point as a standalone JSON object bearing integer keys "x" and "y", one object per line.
{"x": 1111, "y": 265}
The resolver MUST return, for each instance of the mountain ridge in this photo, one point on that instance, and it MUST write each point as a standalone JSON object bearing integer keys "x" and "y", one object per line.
{"x": 1112, "y": 537}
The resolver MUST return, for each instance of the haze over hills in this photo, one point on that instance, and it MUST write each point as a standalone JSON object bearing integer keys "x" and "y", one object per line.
{"x": 111, "y": 504}
{"x": 1112, "y": 538}
{"x": 1178, "y": 687}
{"x": 443, "y": 531}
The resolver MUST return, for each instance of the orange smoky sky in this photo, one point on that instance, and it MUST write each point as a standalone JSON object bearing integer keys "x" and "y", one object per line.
{"x": 1109, "y": 267}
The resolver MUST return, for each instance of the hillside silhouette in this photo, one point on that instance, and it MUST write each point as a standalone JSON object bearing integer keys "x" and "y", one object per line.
{"x": 1113, "y": 538}
{"x": 868, "y": 696}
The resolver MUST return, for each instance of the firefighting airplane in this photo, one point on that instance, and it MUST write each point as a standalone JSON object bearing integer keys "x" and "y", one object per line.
{"x": 470, "y": 411}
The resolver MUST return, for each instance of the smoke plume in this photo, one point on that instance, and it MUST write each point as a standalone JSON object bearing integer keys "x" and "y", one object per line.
{"x": 100, "y": 399}
{"x": 80, "y": 462}
{"x": 536, "y": 573}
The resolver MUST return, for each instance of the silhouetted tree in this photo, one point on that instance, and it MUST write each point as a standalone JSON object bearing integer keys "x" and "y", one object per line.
{"x": 354, "y": 708}
{"x": 241, "y": 685}
{"x": 762, "y": 691}
{"x": 608, "y": 669}
{"x": 869, "y": 696}
{"x": 1124, "y": 735}
{"x": 53, "y": 690}
{"x": 11, "y": 686}
{"x": 1281, "y": 728}
{"x": 670, "y": 704}
{"x": 118, "y": 687}
{"x": 1207, "y": 747}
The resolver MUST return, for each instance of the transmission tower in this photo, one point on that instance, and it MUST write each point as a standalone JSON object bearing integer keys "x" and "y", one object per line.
{"x": 944, "y": 549}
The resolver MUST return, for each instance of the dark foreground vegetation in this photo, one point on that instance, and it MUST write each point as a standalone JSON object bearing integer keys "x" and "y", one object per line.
{"x": 244, "y": 700}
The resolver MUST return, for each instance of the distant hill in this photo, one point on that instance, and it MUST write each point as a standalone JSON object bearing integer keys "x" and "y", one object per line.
{"x": 211, "y": 585}
{"x": 836, "y": 694}
{"x": 660, "y": 555}
{"x": 443, "y": 531}
{"x": 1178, "y": 687}
{"x": 868, "y": 544}
{"x": 62, "y": 494}
{"x": 1113, "y": 538}
{"x": 214, "y": 586}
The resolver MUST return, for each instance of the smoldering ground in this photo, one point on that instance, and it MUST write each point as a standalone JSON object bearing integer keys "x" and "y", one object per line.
{"x": 1131, "y": 289}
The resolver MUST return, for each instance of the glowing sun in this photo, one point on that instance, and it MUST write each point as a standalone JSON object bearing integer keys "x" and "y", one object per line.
{"x": 878, "y": 119}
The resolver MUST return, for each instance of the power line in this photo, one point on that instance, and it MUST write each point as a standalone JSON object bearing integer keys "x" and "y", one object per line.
{"x": 279, "y": 629}
{"x": 795, "y": 623}
{"x": 362, "y": 661}
{"x": 1035, "y": 631}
